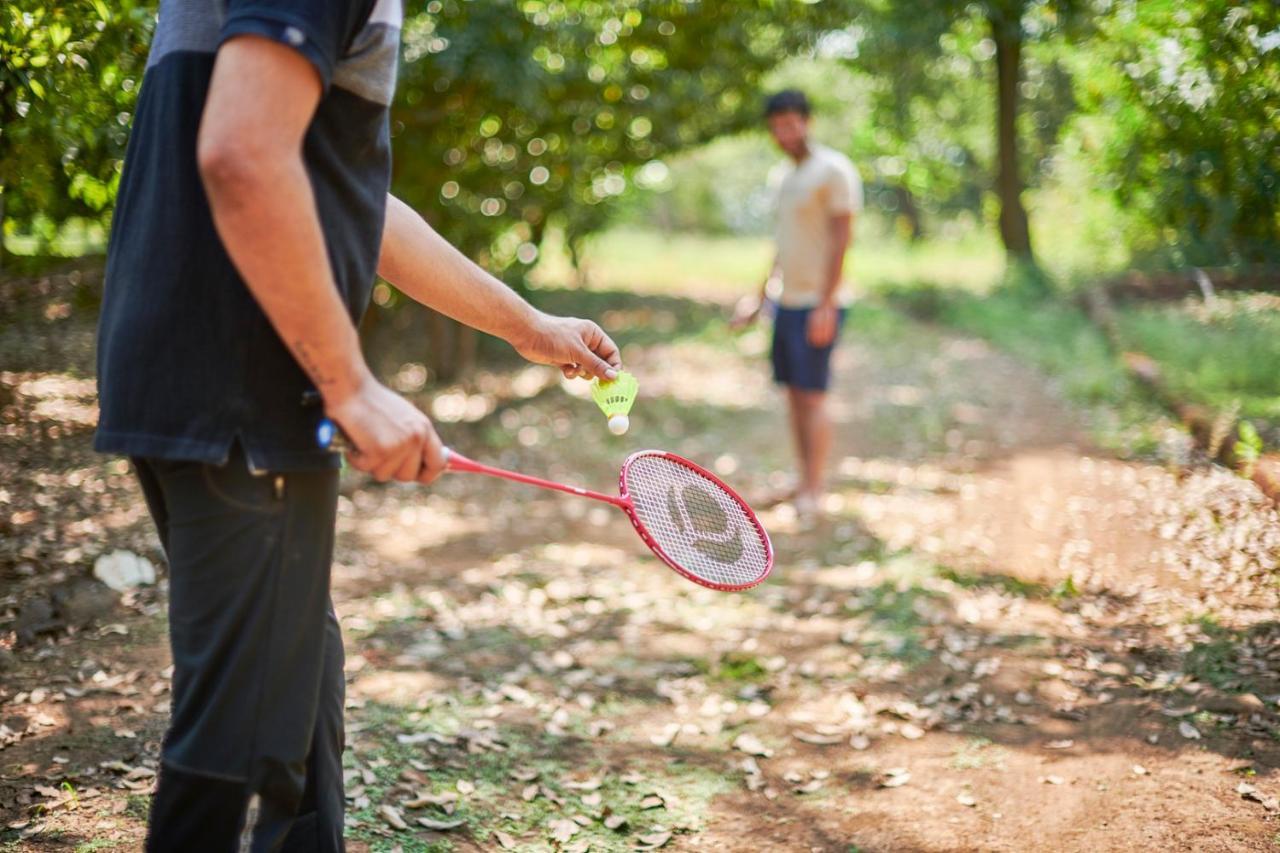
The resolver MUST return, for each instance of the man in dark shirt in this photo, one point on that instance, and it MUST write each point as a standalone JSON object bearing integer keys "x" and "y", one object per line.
{"x": 252, "y": 217}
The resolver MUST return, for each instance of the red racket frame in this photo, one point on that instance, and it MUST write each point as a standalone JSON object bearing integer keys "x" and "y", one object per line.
{"x": 457, "y": 462}
{"x": 330, "y": 437}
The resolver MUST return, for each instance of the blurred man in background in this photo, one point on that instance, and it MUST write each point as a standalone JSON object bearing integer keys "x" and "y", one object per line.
{"x": 818, "y": 198}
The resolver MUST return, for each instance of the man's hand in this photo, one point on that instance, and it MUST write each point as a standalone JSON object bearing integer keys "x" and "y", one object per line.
{"x": 746, "y": 312}
{"x": 821, "y": 327}
{"x": 579, "y": 348}
{"x": 391, "y": 439}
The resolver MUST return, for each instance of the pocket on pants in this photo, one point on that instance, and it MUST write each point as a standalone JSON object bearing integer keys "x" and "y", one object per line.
{"x": 235, "y": 486}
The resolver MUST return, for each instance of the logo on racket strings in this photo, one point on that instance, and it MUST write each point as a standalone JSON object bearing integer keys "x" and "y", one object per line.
{"x": 697, "y": 515}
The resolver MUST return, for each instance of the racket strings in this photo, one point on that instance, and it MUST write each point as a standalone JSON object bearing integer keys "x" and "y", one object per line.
{"x": 696, "y": 522}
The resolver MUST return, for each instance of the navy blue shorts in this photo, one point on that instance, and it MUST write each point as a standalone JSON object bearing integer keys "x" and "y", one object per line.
{"x": 796, "y": 362}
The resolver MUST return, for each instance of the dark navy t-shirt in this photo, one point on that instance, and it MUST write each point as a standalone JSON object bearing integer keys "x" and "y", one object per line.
{"x": 187, "y": 361}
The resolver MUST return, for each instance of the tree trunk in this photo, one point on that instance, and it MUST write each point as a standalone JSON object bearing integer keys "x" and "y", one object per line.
{"x": 2, "y": 188}
{"x": 1006, "y": 31}
{"x": 911, "y": 212}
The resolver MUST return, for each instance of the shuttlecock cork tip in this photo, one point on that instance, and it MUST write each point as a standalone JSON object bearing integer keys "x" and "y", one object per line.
{"x": 619, "y": 424}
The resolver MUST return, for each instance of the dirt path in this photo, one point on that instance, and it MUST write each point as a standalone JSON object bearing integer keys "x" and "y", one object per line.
{"x": 999, "y": 638}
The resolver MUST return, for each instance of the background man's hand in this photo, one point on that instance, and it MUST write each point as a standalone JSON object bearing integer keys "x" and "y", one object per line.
{"x": 391, "y": 438}
{"x": 579, "y": 348}
{"x": 821, "y": 327}
{"x": 746, "y": 312}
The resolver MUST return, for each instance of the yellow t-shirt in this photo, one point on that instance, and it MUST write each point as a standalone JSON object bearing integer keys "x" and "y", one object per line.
{"x": 823, "y": 185}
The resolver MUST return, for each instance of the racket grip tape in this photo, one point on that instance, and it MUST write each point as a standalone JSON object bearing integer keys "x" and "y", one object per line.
{"x": 329, "y": 436}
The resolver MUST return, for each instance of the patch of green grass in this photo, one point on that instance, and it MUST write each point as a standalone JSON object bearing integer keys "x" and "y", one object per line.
{"x": 1056, "y": 337}
{"x": 1221, "y": 358}
{"x": 138, "y": 806}
{"x": 650, "y": 261}
{"x": 894, "y": 609}
{"x": 1065, "y": 589}
{"x": 741, "y": 667}
{"x": 685, "y": 782}
{"x": 1214, "y": 660}
{"x": 977, "y": 753}
{"x": 1006, "y": 583}
{"x": 96, "y": 844}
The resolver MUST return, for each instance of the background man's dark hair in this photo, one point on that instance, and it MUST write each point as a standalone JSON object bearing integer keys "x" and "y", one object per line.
{"x": 787, "y": 101}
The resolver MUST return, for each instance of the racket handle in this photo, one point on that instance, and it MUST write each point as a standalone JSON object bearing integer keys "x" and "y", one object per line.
{"x": 329, "y": 436}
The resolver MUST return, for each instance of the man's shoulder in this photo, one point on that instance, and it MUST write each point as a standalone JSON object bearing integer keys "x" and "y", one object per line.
{"x": 833, "y": 159}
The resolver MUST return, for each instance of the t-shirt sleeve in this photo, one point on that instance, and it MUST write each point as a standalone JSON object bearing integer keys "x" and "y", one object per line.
{"x": 320, "y": 30}
{"x": 844, "y": 189}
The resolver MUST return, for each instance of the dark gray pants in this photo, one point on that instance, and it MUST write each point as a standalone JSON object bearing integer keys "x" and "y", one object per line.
{"x": 257, "y": 655}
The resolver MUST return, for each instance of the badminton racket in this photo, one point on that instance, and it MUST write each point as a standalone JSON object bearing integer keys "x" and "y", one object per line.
{"x": 687, "y": 516}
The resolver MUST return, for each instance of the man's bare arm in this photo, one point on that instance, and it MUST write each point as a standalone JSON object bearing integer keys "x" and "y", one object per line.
{"x": 840, "y": 228}
{"x": 749, "y": 307}
{"x": 261, "y": 100}
{"x": 429, "y": 270}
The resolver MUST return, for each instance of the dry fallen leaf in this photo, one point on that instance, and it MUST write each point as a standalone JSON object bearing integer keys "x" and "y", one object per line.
{"x": 654, "y": 840}
{"x": 751, "y": 745}
{"x": 562, "y": 829}
{"x": 653, "y": 801}
{"x": 445, "y": 799}
{"x": 529, "y": 793}
{"x": 667, "y": 736}
{"x": 1188, "y": 731}
{"x": 393, "y": 817}
{"x": 1052, "y": 780}
{"x": 440, "y": 825}
{"x": 465, "y": 787}
{"x": 895, "y": 777}
{"x": 1065, "y": 743}
{"x": 817, "y": 739}
{"x": 506, "y": 842}
{"x": 1140, "y": 770}
{"x": 911, "y": 731}
{"x": 592, "y": 784}
{"x": 808, "y": 787}
{"x": 524, "y": 774}
{"x": 965, "y": 799}
{"x": 615, "y": 822}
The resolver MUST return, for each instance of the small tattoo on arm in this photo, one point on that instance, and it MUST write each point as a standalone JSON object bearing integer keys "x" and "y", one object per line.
{"x": 307, "y": 359}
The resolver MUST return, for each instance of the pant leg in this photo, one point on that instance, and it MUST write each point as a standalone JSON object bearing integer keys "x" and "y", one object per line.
{"x": 319, "y": 824}
{"x": 249, "y": 573}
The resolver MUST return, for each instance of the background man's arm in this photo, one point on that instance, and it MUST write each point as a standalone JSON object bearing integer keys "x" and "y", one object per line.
{"x": 749, "y": 307}
{"x": 823, "y": 318}
{"x": 429, "y": 270}
{"x": 261, "y": 100}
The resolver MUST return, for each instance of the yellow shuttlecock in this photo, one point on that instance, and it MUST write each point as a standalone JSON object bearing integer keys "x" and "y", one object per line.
{"x": 614, "y": 397}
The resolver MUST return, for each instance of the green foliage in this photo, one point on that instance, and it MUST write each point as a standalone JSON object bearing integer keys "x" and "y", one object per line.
{"x": 67, "y": 86}
{"x": 514, "y": 112}
{"x": 1249, "y": 447}
{"x": 1185, "y": 123}
{"x": 1221, "y": 358}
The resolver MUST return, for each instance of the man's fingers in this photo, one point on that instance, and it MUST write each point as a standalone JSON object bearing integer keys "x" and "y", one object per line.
{"x": 433, "y": 460}
{"x": 601, "y": 345}
{"x": 593, "y": 365}
{"x": 388, "y": 466}
{"x": 409, "y": 469}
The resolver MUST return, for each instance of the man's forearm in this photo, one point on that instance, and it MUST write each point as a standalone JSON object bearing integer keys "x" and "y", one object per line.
{"x": 425, "y": 267}
{"x": 266, "y": 216}
{"x": 841, "y": 237}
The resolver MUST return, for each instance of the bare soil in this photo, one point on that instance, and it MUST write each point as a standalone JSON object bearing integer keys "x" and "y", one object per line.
{"x": 998, "y": 638}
